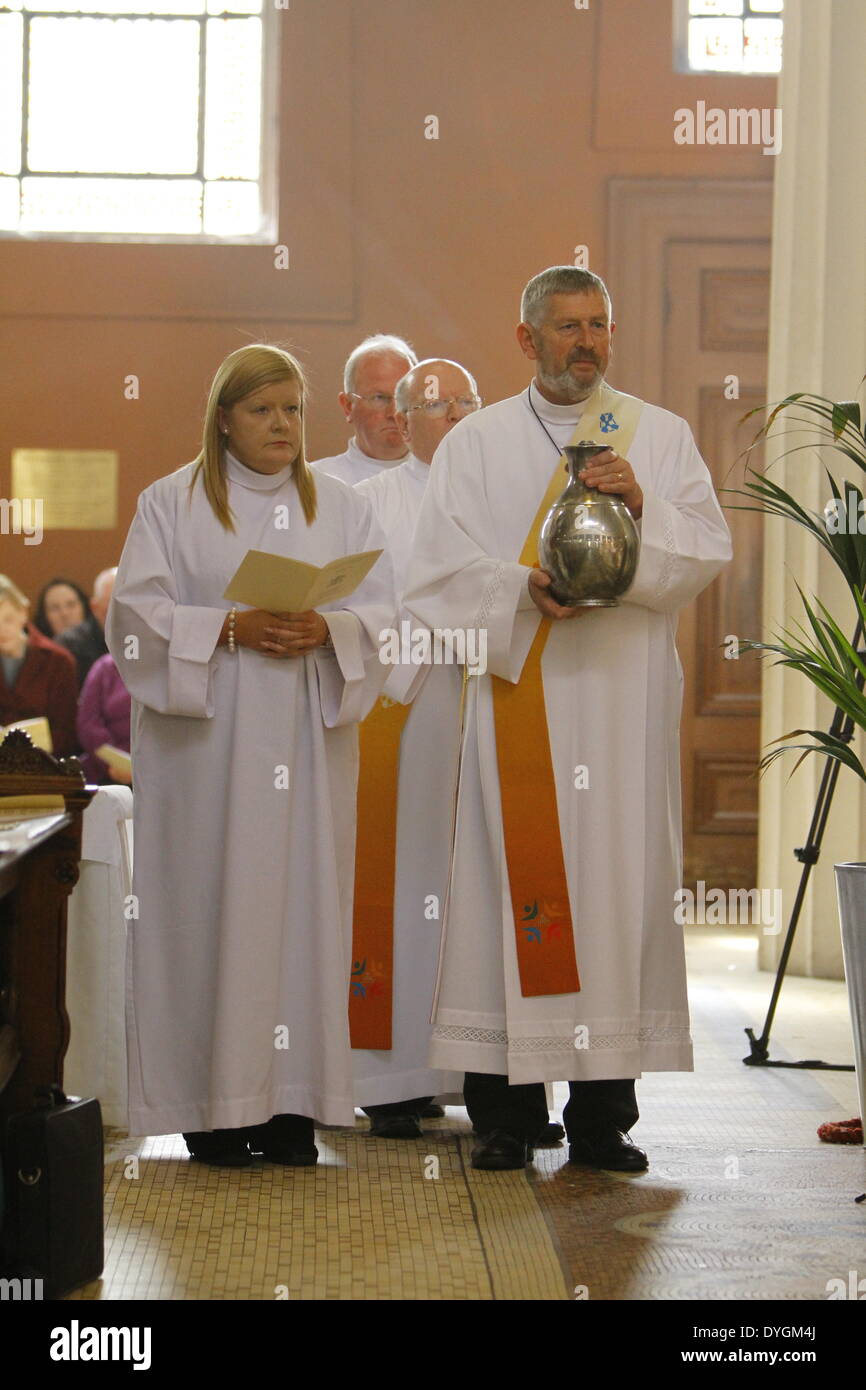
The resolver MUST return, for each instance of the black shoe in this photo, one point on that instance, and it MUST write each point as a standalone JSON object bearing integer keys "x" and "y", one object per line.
{"x": 221, "y": 1148}
{"x": 287, "y": 1140}
{"x": 256, "y": 1137}
{"x": 432, "y": 1111}
{"x": 551, "y": 1134}
{"x": 610, "y": 1149}
{"x": 403, "y": 1126}
{"x": 500, "y": 1151}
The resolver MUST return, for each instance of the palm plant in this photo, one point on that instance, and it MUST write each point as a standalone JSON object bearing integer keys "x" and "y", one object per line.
{"x": 818, "y": 647}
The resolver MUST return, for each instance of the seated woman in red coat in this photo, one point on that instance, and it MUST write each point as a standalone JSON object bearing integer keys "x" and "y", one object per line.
{"x": 36, "y": 676}
{"x": 103, "y": 717}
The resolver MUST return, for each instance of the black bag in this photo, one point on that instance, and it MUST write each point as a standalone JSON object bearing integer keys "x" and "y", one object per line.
{"x": 53, "y": 1163}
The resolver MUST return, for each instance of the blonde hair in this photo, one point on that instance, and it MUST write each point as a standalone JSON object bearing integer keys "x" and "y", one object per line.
{"x": 243, "y": 372}
{"x": 11, "y": 593}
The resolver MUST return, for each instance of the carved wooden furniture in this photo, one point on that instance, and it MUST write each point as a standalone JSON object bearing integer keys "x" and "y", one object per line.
{"x": 35, "y": 883}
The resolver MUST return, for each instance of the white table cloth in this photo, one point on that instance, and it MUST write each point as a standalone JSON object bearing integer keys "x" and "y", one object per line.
{"x": 95, "y": 1063}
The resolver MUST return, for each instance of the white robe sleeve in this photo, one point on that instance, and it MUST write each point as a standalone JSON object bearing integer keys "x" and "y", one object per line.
{"x": 455, "y": 579}
{"x": 685, "y": 540}
{"x": 351, "y": 674}
{"x": 162, "y": 648}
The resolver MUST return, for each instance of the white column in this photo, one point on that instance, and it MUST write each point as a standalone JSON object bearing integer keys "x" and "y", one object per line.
{"x": 817, "y": 344}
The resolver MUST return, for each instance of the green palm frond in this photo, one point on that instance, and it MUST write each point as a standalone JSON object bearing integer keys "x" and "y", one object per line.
{"x": 817, "y": 647}
{"x": 824, "y": 743}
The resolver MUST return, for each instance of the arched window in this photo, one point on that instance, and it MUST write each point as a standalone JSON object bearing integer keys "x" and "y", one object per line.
{"x": 124, "y": 119}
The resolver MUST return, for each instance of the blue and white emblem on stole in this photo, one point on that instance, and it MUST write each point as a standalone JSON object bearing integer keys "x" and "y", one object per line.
{"x": 608, "y": 423}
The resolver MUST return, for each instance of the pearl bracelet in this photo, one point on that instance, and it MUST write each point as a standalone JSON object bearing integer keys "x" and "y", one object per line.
{"x": 230, "y": 634}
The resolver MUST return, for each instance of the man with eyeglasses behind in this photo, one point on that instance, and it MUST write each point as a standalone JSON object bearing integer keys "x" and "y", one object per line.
{"x": 371, "y": 373}
{"x": 406, "y": 790}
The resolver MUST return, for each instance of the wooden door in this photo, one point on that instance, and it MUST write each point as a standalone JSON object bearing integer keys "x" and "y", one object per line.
{"x": 715, "y": 348}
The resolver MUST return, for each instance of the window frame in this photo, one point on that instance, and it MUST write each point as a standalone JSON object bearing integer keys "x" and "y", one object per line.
{"x": 269, "y": 146}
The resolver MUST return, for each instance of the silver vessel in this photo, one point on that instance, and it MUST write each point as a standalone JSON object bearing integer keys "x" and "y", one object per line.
{"x": 588, "y": 543}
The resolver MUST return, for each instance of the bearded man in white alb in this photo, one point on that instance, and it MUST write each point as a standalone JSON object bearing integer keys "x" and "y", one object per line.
{"x": 561, "y": 957}
{"x": 370, "y": 375}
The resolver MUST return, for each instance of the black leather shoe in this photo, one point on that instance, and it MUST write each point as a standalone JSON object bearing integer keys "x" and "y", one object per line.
{"x": 404, "y": 1126}
{"x": 290, "y": 1155}
{"x": 432, "y": 1111}
{"x": 610, "y": 1149}
{"x": 551, "y": 1134}
{"x": 500, "y": 1151}
{"x": 221, "y": 1148}
{"x": 256, "y": 1137}
{"x": 287, "y": 1140}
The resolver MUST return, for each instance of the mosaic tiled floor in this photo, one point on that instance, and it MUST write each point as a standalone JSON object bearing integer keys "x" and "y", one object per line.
{"x": 741, "y": 1201}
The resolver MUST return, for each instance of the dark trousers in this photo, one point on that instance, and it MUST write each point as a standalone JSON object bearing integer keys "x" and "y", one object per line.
{"x": 522, "y": 1110}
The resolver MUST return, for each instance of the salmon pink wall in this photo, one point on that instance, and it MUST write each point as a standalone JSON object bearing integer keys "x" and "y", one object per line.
{"x": 539, "y": 105}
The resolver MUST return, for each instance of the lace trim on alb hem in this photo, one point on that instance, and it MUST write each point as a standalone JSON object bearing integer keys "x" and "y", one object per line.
{"x": 600, "y": 1042}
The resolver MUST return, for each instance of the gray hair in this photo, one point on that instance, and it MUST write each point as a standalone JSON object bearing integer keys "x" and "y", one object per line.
{"x": 379, "y": 344}
{"x": 103, "y": 579}
{"x": 558, "y": 279}
{"x": 403, "y": 389}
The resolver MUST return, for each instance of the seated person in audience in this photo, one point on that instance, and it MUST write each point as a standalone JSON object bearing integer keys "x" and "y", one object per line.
{"x": 66, "y": 616}
{"x": 103, "y": 717}
{"x": 86, "y": 640}
{"x": 36, "y": 676}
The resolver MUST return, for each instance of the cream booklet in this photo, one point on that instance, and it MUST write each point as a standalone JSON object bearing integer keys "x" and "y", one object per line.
{"x": 282, "y": 585}
{"x": 115, "y": 759}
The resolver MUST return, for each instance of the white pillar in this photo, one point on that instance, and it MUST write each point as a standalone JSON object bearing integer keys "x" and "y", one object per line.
{"x": 817, "y": 344}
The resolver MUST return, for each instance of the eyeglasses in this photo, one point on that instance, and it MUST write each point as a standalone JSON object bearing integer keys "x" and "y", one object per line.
{"x": 437, "y": 409}
{"x": 378, "y": 401}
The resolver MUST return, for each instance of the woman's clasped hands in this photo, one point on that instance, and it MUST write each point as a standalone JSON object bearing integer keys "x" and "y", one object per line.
{"x": 279, "y": 634}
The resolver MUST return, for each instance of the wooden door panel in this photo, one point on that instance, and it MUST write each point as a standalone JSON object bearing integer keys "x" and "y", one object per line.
{"x": 717, "y": 297}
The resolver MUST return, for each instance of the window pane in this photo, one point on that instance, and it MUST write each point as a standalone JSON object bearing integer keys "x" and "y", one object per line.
{"x": 716, "y": 45}
{"x": 768, "y": 6}
{"x": 110, "y": 95}
{"x": 119, "y": 6}
{"x": 231, "y": 209}
{"x": 11, "y": 50}
{"x": 147, "y": 206}
{"x": 233, "y": 113}
{"x": 719, "y": 7}
{"x": 238, "y": 6}
{"x": 762, "y": 45}
{"x": 9, "y": 200}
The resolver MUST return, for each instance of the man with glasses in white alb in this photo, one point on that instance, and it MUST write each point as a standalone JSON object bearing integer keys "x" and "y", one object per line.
{"x": 408, "y": 772}
{"x": 367, "y": 400}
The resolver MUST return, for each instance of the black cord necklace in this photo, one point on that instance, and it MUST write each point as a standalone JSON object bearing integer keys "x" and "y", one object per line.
{"x": 540, "y": 421}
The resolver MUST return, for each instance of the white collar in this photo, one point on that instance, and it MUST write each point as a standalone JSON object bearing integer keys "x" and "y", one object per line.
{"x": 417, "y": 467}
{"x": 552, "y": 413}
{"x": 238, "y": 472}
{"x": 357, "y": 455}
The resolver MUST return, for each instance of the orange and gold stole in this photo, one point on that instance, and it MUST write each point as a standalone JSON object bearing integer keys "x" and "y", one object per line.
{"x": 371, "y": 987}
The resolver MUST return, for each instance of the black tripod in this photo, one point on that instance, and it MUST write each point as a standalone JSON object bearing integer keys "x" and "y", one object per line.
{"x": 842, "y": 728}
